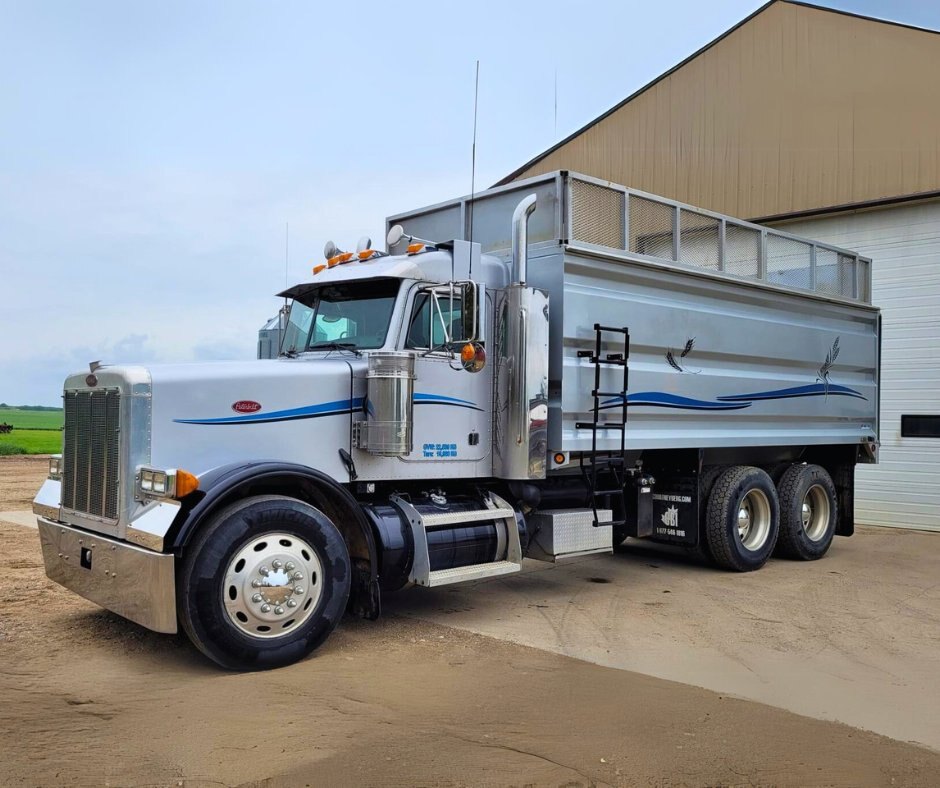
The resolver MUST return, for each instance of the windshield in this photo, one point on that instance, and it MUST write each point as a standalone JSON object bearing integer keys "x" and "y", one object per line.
{"x": 354, "y": 315}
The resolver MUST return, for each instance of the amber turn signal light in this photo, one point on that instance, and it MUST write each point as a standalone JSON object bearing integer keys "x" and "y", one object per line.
{"x": 186, "y": 483}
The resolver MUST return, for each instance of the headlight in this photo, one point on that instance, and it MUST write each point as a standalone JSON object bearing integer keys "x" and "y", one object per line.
{"x": 55, "y": 467}
{"x": 173, "y": 483}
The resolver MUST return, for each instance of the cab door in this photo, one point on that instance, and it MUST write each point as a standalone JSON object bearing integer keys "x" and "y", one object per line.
{"x": 452, "y": 407}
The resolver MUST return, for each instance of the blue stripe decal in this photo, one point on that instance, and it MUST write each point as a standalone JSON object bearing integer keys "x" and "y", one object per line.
{"x": 812, "y": 390}
{"x": 335, "y": 408}
{"x": 662, "y": 399}
{"x": 440, "y": 399}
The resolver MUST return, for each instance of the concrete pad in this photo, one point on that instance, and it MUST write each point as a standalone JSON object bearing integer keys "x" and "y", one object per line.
{"x": 854, "y": 637}
{"x": 26, "y": 519}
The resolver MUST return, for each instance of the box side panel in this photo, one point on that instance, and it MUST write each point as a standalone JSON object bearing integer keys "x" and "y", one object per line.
{"x": 714, "y": 363}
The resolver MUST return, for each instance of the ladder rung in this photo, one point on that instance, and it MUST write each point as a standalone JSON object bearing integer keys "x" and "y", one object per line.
{"x": 596, "y": 393}
{"x": 585, "y": 354}
{"x": 614, "y": 357}
{"x": 599, "y": 327}
{"x": 608, "y": 425}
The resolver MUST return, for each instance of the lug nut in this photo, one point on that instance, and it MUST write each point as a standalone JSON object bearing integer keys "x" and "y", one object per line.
{"x": 256, "y": 584}
{"x": 276, "y": 564}
{"x": 265, "y": 608}
{"x": 298, "y": 576}
{"x": 279, "y": 610}
{"x": 256, "y": 598}
{"x": 298, "y": 590}
{"x": 289, "y": 566}
{"x": 291, "y": 603}
{"x": 264, "y": 571}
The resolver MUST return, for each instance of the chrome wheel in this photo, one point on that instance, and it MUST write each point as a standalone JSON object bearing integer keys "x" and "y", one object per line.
{"x": 272, "y": 585}
{"x": 815, "y": 513}
{"x": 754, "y": 520}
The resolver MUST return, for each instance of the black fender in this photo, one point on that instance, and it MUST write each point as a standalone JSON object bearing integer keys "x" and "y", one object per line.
{"x": 227, "y": 483}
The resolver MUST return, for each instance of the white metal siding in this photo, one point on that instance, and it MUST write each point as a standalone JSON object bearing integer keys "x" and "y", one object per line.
{"x": 904, "y": 244}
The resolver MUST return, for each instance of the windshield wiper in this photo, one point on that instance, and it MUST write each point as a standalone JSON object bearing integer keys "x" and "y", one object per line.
{"x": 350, "y": 347}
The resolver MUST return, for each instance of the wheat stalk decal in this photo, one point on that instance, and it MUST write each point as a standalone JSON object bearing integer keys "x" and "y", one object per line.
{"x": 823, "y": 375}
{"x": 671, "y": 357}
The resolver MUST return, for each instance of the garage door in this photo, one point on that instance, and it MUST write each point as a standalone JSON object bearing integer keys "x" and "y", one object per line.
{"x": 904, "y": 244}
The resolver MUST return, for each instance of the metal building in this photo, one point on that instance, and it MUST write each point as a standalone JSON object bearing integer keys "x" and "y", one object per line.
{"x": 827, "y": 124}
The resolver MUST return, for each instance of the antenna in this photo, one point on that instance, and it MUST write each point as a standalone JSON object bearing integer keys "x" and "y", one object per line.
{"x": 556, "y": 103}
{"x": 473, "y": 160}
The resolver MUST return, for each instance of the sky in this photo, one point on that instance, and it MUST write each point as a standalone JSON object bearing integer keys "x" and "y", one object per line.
{"x": 154, "y": 155}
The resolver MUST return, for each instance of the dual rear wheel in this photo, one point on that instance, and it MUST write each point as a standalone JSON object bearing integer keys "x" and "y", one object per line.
{"x": 748, "y": 518}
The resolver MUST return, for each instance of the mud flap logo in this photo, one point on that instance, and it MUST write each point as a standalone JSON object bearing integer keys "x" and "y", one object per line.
{"x": 670, "y": 517}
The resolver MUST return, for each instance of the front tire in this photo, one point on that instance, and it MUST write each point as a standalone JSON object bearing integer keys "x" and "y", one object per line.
{"x": 264, "y": 583}
{"x": 809, "y": 511}
{"x": 742, "y": 519}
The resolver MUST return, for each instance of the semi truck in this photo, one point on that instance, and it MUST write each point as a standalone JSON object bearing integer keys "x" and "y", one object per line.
{"x": 540, "y": 371}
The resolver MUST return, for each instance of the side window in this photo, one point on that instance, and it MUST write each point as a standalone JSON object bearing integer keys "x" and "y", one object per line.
{"x": 425, "y": 329}
{"x": 298, "y": 327}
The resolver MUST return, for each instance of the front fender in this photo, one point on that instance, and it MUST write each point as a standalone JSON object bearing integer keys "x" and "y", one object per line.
{"x": 226, "y": 484}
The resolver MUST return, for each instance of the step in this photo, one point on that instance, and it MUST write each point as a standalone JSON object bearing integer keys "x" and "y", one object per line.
{"x": 456, "y": 518}
{"x": 462, "y": 574}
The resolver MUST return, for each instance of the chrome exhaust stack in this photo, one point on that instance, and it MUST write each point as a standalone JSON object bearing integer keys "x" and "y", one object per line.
{"x": 520, "y": 239}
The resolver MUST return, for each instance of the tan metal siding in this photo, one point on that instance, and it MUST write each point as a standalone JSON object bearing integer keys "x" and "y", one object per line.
{"x": 904, "y": 243}
{"x": 797, "y": 109}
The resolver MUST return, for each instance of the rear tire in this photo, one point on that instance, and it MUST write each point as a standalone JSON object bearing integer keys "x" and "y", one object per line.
{"x": 742, "y": 519}
{"x": 809, "y": 511}
{"x": 264, "y": 583}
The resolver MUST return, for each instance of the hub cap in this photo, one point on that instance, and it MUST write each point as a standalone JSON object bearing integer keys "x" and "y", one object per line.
{"x": 272, "y": 585}
{"x": 754, "y": 520}
{"x": 815, "y": 513}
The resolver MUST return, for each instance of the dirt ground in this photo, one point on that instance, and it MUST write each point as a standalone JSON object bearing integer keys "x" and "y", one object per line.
{"x": 87, "y": 698}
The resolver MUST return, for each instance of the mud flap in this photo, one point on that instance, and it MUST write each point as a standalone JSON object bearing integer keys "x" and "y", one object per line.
{"x": 676, "y": 511}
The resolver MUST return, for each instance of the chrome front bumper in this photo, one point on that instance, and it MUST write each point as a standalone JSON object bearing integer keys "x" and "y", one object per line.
{"x": 135, "y": 583}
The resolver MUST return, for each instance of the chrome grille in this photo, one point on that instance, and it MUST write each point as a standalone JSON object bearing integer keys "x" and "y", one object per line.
{"x": 91, "y": 453}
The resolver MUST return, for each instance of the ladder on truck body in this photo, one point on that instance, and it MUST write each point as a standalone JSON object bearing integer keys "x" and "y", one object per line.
{"x": 607, "y": 466}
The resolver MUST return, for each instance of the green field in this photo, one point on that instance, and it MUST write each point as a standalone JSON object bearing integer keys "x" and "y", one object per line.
{"x": 34, "y": 431}
{"x": 32, "y": 419}
{"x": 31, "y": 442}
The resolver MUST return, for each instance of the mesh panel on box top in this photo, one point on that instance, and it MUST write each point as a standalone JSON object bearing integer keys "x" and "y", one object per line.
{"x": 847, "y": 266}
{"x": 596, "y": 214}
{"x": 651, "y": 227}
{"x": 835, "y": 273}
{"x": 788, "y": 261}
{"x": 864, "y": 281}
{"x": 698, "y": 240}
{"x": 827, "y": 271}
{"x": 742, "y": 251}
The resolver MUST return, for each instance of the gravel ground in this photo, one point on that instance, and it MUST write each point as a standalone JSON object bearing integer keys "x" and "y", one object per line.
{"x": 90, "y": 699}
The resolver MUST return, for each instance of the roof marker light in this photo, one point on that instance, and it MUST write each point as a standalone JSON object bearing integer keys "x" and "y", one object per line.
{"x": 343, "y": 257}
{"x": 318, "y": 268}
{"x": 415, "y": 248}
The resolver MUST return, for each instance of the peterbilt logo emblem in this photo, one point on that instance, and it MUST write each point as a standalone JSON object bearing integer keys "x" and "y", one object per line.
{"x": 246, "y": 406}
